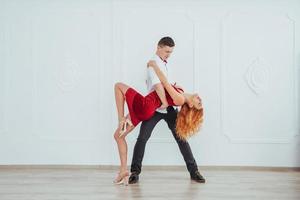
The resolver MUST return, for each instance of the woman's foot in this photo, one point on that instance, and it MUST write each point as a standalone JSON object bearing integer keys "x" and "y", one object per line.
{"x": 124, "y": 123}
{"x": 122, "y": 178}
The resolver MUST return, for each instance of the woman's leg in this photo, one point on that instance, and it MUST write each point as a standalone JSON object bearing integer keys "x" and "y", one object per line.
{"x": 122, "y": 147}
{"x": 120, "y": 91}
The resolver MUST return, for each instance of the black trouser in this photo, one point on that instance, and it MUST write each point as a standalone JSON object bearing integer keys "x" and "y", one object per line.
{"x": 145, "y": 133}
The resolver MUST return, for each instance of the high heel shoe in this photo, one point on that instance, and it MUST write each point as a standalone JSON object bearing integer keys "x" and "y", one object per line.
{"x": 126, "y": 180}
{"x": 122, "y": 178}
{"x": 121, "y": 123}
{"x": 126, "y": 122}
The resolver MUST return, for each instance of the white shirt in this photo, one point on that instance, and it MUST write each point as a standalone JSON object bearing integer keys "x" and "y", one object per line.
{"x": 152, "y": 78}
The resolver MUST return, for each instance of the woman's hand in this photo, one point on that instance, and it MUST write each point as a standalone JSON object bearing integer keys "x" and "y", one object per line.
{"x": 151, "y": 63}
{"x": 163, "y": 106}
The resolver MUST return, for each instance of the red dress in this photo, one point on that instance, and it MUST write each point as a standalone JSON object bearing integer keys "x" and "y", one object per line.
{"x": 143, "y": 108}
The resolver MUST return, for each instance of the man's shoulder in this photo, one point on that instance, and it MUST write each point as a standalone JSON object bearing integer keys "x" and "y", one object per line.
{"x": 157, "y": 60}
{"x": 154, "y": 57}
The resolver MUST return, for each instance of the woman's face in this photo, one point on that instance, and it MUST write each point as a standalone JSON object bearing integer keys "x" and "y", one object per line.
{"x": 196, "y": 101}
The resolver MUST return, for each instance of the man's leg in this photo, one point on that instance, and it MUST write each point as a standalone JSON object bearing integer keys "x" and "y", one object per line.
{"x": 184, "y": 147}
{"x": 139, "y": 148}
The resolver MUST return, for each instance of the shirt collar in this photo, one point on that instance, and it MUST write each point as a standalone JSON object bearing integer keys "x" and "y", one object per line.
{"x": 165, "y": 61}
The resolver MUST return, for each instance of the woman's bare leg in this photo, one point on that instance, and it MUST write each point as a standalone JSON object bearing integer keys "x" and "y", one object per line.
{"x": 122, "y": 147}
{"x": 120, "y": 91}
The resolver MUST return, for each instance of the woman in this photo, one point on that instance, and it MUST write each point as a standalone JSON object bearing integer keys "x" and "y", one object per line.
{"x": 143, "y": 108}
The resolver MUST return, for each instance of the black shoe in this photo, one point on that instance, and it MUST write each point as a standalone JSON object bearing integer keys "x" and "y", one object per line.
{"x": 196, "y": 176}
{"x": 133, "y": 178}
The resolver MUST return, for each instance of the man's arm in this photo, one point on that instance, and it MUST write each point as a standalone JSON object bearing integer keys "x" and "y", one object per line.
{"x": 159, "y": 88}
{"x": 177, "y": 97}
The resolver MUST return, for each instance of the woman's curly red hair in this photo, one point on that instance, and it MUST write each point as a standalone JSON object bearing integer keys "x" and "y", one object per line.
{"x": 189, "y": 121}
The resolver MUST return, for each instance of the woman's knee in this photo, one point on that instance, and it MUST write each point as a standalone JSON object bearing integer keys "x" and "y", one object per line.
{"x": 118, "y": 85}
{"x": 121, "y": 86}
{"x": 117, "y": 136}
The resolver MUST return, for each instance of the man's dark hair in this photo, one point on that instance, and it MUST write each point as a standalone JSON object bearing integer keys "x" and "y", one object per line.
{"x": 166, "y": 41}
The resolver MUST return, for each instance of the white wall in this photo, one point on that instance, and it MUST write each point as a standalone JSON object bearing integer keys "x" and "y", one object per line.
{"x": 60, "y": 59}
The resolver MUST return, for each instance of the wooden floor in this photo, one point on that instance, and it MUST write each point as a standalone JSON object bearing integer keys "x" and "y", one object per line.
{"x": 155, "y": 183}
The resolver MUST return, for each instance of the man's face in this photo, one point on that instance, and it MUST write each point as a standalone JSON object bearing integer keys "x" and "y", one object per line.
{"x": 164, "y": 52}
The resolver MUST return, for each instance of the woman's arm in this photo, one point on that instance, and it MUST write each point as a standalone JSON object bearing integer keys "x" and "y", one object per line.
{"x": 160, "y": 90}
{"x": 178, "y": 98}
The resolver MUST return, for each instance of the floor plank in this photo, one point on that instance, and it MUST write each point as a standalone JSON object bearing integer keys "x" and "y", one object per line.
{"x": 173, "y": 183}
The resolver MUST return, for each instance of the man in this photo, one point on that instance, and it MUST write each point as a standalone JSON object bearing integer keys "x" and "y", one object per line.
{"x": 164, "y": 50}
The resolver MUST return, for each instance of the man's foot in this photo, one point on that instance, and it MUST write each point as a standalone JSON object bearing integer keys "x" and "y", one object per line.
{"x": 196, "y": 176}
{"x": 133, "y": 178}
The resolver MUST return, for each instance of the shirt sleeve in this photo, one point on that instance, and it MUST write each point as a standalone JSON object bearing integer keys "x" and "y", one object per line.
{"x": 153, "y": 77}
